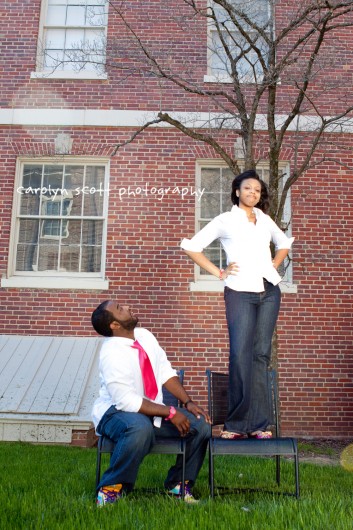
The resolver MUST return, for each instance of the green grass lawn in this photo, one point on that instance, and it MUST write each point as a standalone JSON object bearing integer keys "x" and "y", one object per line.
{"x": 52, "y": 487}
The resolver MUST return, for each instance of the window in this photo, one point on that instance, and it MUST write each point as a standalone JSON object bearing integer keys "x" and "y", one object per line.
{"x": 73, "y": 38}
{"x": 236, "y": 38}
{"x": 216, "y": 180}
{"x": 59, "y": 225}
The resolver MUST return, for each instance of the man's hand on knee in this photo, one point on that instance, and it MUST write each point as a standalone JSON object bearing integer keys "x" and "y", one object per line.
{"x": 181, "y": 423}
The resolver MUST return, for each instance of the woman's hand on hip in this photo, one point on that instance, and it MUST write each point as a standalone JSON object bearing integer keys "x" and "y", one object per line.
{"x": 232, "y": 269}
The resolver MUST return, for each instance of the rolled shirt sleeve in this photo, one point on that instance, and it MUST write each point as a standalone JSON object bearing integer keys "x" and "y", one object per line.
{"x": 204, "y": 237}
{"x": 279, "y": 238}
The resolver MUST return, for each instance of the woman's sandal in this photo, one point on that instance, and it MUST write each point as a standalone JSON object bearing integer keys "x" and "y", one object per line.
{"x": 261, "y": 435}
{"x": 228, "y": 435}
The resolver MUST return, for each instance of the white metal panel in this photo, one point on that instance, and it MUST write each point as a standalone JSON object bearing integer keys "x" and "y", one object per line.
{"x": 39, "y": 393}
{"x": 45, "y": 375}
{"x": 17, "y": 373}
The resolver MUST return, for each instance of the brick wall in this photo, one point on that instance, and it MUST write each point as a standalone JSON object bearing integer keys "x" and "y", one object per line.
{"x": 146, "y": 269}
{"x": 84, "y": 438}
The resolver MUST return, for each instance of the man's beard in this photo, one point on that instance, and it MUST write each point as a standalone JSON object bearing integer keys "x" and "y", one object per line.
{"x": 129, "y": 324}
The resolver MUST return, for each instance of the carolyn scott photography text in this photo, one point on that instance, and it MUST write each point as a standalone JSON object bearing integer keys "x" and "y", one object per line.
{"x": 144, "y": 190}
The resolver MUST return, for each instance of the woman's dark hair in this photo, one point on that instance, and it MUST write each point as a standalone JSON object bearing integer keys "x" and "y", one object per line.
{"x": 264, "y": 202}
{"x": 101, "y": 319}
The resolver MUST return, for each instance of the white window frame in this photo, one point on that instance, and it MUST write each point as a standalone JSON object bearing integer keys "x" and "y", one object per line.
{"x": 212, "y": 77}
{"x": 208, "y": 282}
{"x": 56, "y": 279}
{"x": 58, "y": 73}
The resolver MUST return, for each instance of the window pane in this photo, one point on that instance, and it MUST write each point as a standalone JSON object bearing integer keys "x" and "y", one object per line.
{"x": 73, "y": 232}
{"x": 28, "y": 231}
{"x": 55, "y": 39}
{"x": 92, "y": 232}
{"x": 26, "y": 258}
{"x": 94, "y": 39}
{"x": 76, "y": 15}
{"x": 214, "y": 255}
{"x": 73, "y": 184}
{"x": 211, "y": 199}
{"x": 96, "y": 16}
{"x": 30, "y": 190}
{"x": 91, "y": 259}
{"x": 48, "y": 257}
{"x": 51, "y": 208}
{"x": 51, "y": 228}
{"x": 70, "y": 258}
{"x": 56, "y": 16}
{"x": 74, "y": 39}
{"x": 53, "y": 177}
{"x": 53, "y": 59}
{"x": 258, "y": 11}
{"x": 210, "y": 179}
{"x": 210, "y": 205}
{"x": 244, "y": 56}
{"x": 94, "y": 191}
{"x": 227, "y": 177}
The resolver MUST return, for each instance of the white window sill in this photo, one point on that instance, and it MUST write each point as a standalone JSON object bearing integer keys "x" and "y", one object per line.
{"x": 69, "y": 74}
{"x": 216, "y": 286}
{"x": 55, "y": 282}
{"x": 224, "y": 78}
{"x": 217, "y": 78}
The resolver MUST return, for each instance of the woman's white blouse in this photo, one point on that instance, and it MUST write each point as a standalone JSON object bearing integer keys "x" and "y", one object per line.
{"x": 246, "y": 244}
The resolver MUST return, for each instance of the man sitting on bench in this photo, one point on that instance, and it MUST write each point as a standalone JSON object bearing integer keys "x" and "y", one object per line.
{"x": 130, "y": 410}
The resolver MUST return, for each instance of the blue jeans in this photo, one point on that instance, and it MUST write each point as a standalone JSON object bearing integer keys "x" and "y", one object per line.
{"x": 134, "y": 434}
{"x": 251, "y": 319}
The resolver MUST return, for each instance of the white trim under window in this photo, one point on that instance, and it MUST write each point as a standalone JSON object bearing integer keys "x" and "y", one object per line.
{"x": 215, "y": 179}
{"x": 72, "y": 39}
{"x": 59, "y": 224}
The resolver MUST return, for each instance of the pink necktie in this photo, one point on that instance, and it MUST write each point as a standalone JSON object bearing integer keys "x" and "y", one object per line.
{"x": 149, "y": 380}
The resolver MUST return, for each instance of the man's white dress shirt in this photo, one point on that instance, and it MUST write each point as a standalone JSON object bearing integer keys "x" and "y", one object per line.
{"x": 120, "y": 374}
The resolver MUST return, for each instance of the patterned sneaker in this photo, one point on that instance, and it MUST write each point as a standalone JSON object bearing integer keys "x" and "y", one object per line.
{"x": 261, "y": 435}
{"x": 188, "y": 496}
{"x": 109, "y": 494}
{"x": 229, "y": 435}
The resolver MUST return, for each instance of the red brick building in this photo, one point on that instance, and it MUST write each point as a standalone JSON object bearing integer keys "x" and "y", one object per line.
{"x": 80, "y": 224}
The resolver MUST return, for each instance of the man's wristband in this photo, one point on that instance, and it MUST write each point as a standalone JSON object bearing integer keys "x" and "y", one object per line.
{"x": 220, "y": 274}
{"x": 187, "y": 402}
{"x": 172, "y": 412}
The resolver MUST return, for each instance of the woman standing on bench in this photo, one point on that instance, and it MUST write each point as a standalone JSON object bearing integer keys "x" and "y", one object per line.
{"x": 252, "y": 298}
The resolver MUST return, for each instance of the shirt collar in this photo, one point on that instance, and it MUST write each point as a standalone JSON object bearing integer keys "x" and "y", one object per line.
{"x": 239, "y": 211}
{"x": 122, "y": 340}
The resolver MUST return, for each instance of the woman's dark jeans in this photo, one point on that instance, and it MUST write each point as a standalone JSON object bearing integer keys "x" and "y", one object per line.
{"x": 251, "y": 319}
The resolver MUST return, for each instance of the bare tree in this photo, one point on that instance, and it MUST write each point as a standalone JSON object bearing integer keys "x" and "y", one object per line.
{"x": 274, "y": 68}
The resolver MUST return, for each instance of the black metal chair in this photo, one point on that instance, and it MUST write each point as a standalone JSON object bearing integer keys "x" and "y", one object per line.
{"x": 276, "y": 446}
{"x": 167, "y": 446}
